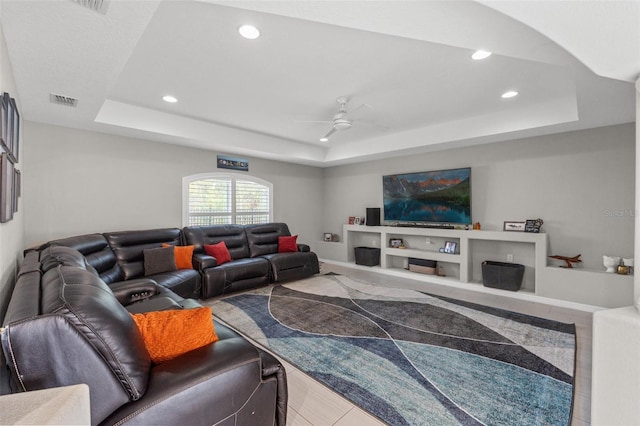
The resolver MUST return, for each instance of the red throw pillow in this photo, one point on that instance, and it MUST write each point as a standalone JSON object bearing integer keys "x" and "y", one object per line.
{"x": 169, "y": 334}
{"x": 183, "y": 255}
{"x": 219, "y": 251}
{"x": 287, "y": 244}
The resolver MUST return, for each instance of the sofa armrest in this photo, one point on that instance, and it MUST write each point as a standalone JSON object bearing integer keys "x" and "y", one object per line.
{"x": 219, "y": 381}
{"x": 202, "y": 261}
{"x": 128, "y": 292}
{"x": 304, "y": 247}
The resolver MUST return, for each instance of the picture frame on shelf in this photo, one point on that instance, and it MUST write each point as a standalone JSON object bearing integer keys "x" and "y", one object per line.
{"x": 357, "y": 220}
{"x": 328, "y": 236}
{"x": 450, "y": 247}
{"x": 396, "y": 242}
{"x": 352, "y": 220}
{"x": 6, "y": 188}
{"x": 514, "y": 226}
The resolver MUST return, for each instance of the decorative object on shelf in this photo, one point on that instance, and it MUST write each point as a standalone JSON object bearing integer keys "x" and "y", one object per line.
{"x": 327, "y": 236}
{"x": 476, "y": 226}
{"x": 335, "y": 238}
{"x": 357, "y": 220}
{"x": 533, "y": 225}
{"x": 628, "y": 262}
{"x": 396, "y": 243}
{"x": 568, "y": 260}
{"x": 422, "y": 266}
{"x": 610, "y": 262}
{"x": 514, "y": 226}
{"x": 622, "y": 270}
{"x": 352, "y": 220}
{"x": 450, "y": 247}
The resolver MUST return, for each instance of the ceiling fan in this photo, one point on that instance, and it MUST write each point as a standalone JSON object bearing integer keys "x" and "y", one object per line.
{"x": 343, "y": 120}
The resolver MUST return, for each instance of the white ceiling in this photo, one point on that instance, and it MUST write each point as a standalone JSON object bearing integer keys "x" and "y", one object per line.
{"x": 408, "y": 61}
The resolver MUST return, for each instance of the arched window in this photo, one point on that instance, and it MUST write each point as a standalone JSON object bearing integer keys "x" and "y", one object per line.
{"x": 224, "y": 198}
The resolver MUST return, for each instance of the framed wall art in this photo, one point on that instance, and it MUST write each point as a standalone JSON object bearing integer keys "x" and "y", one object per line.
{"x": 4, "y": 123}
{"x": 10, "y": 131}
{"x": 14, "y": 127}
{"x": 17, "y": 177}
{"x": 6, "y": 188}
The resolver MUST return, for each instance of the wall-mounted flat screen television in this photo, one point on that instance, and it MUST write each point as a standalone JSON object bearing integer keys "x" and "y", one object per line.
{"x": 442, "y": 196}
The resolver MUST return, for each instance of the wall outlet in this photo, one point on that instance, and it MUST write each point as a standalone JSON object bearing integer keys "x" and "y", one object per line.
{"x": 510, "y": 257}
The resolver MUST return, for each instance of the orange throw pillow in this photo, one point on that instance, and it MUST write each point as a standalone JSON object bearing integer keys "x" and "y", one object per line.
{"x": 287, "y": 244}
{"x": 219, "y": 251}
{"x": 183, "y": 255}
{"x": 169, "y": 334}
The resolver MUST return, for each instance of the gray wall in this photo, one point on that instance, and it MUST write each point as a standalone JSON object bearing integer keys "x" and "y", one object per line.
{"x": 79, "y": 182}
{"x": 580, "y": 183}
{"x": 11, "y": 233}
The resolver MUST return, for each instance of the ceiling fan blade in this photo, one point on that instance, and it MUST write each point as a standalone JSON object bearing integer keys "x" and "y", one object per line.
{"x": 329, "y": 133}
{"x": 313, "y": 121}
{"x": 358, "y": 112}
{"x": 372, "y": 124}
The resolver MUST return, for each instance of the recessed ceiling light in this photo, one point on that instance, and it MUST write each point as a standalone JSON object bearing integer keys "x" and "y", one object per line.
{"x": 249, "y": 32}
{"x": 509, "y": 94}
{"x": 480, "y": 54}
{"x": 324, "y": 139}
{"x": 170, "y": 99}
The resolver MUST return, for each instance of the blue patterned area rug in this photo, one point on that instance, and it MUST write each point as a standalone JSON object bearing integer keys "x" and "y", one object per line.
{"x": 411, "y": 358}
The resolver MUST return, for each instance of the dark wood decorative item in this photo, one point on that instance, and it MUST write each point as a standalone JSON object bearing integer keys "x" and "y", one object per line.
{"x": 569, "y": 260}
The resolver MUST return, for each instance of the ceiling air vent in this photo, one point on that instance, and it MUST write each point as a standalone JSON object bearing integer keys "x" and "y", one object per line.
{"x": 63, "y": 100}
{"x": 97, "y": 5}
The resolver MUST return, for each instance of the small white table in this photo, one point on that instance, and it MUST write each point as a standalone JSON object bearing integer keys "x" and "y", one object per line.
{"x": 67, "y": 405}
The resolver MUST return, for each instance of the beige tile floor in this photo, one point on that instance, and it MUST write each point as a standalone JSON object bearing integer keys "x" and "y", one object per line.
{"x": 311, "y": 403}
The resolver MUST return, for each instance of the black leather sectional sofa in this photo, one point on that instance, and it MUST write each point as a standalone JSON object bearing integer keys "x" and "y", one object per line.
{"x": 118, "y": 256}
{"x": 69, "y": 322}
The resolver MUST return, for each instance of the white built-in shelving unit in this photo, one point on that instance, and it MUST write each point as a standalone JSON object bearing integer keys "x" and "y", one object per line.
{"x": 464, "y": 267}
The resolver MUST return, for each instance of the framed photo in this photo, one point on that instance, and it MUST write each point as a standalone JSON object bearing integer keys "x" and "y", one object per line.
{"x": 14, "y": 127}
{"x": 328, "y": 236}
{"x": 514, "y": 226}
{"x": 450, "y": 247}
{"x": 16, "y": 188}
{"x": 396, "y": 242}
{"x": 4, "y": 123}
{"x": 6, "y": 188}
{"x": 352, "y": 220}
{"x": 357, "y": 220}
{"x": 533, "y": 225}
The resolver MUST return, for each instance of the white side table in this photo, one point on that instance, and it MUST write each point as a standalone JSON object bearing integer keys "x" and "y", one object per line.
{"x": 67, "y": 405}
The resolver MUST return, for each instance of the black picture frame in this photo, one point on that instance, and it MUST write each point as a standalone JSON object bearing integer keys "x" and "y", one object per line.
{"x": 15, "y": 130}
{"x": 450, "y": 247}
{"x": 4, "y": 141}
{"x": 511, "y": 226}
{"x": 17, "y": 183}
{"x": 6, "y": 188}
{"x": 396, "y": 242}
